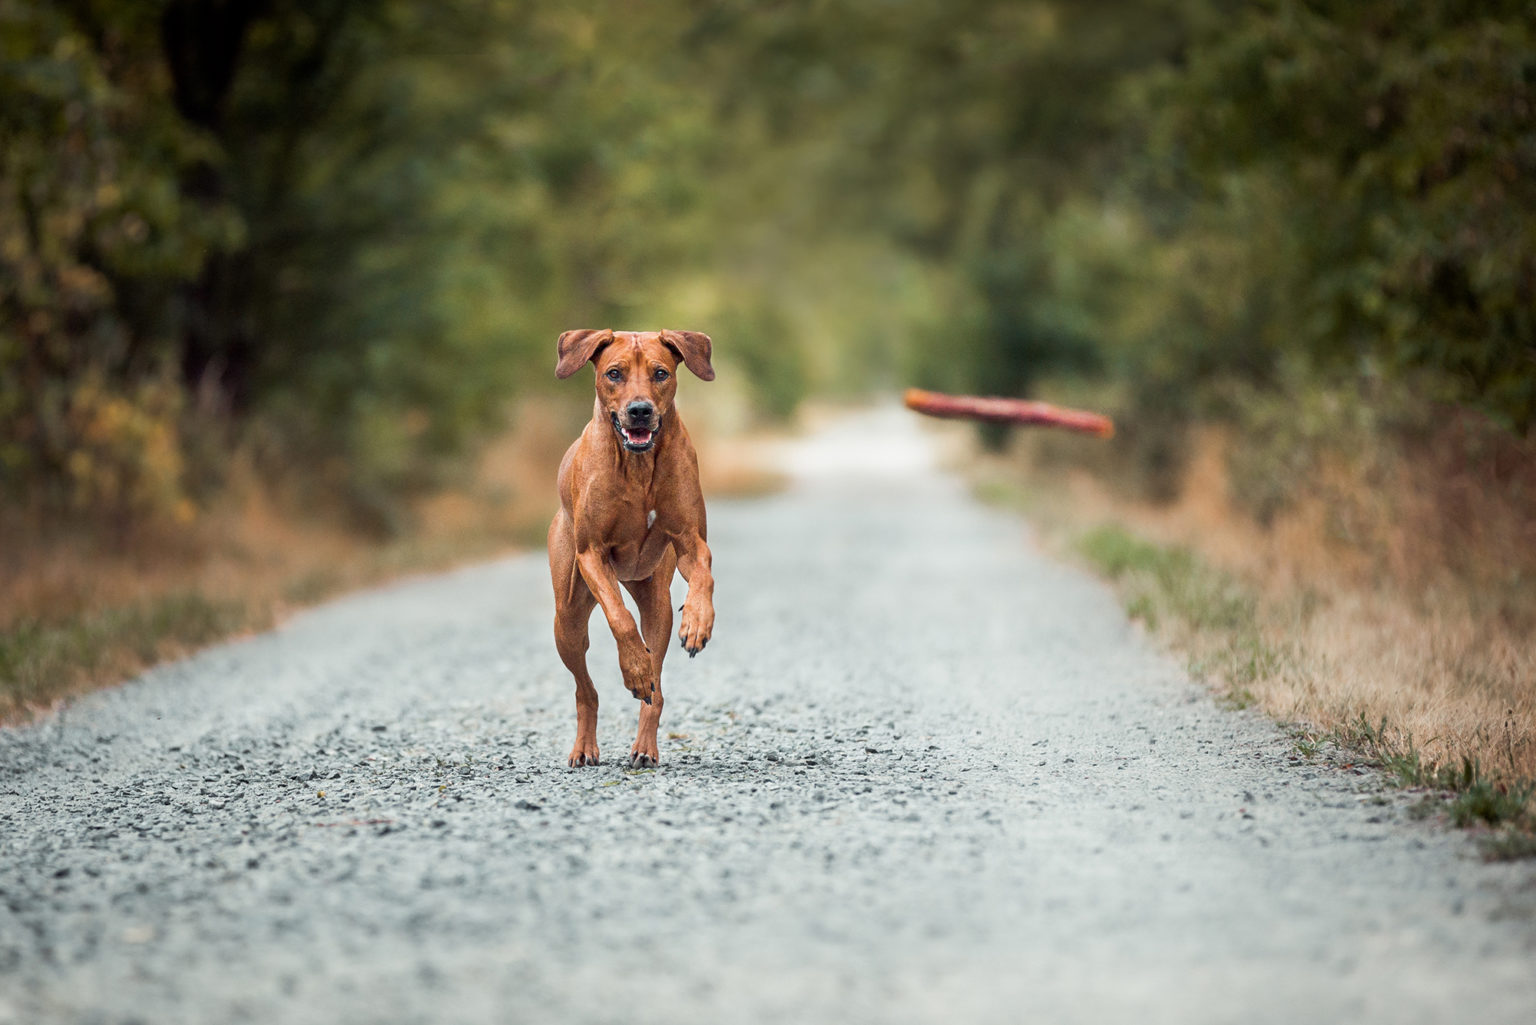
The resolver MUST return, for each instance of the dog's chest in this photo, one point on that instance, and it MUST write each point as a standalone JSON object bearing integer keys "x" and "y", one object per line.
{"x": 638, "y": 545}
{"x": 635, "y": 520}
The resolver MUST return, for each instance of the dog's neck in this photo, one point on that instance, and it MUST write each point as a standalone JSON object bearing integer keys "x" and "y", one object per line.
{"x": 636, "y": 467}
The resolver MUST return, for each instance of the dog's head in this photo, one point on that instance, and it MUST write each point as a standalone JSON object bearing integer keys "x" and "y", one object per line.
{"x": 636, "y": 375}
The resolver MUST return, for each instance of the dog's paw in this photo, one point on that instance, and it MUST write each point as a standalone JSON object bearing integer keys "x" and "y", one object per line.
{"x": 584, "y": 753}
{"x": 644, "y": 759}
{"x": 639, "y": 672}
{"x": 698, "y": 622}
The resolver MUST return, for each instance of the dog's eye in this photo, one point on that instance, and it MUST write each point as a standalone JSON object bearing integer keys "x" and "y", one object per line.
{"x": 615, "y": 374}
{"x": 661, "y": 375}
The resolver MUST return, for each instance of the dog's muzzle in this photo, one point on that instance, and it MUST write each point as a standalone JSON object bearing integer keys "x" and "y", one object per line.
{"x": 637, "y": 435}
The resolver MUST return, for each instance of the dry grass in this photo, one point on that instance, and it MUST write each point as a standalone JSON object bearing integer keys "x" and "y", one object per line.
{"x": 1405, "y": 601}
{"x": 1389, "y": 605}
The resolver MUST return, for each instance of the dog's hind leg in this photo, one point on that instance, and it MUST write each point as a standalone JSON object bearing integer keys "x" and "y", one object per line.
{"x": 654, "y": 598}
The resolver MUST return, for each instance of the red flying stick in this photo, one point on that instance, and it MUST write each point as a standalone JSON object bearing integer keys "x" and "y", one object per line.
{"x": 1007, "y": 411}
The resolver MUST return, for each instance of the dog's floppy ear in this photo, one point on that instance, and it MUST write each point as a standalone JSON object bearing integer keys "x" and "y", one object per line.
{"x": 694, "y": 349}
{"x": 576, "y": 347}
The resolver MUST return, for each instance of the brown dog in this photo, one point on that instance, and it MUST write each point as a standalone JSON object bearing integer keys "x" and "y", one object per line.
{"x": 630, "y": 512}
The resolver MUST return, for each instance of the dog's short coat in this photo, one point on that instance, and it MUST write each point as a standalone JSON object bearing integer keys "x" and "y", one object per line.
{"x": 630, "y": 512}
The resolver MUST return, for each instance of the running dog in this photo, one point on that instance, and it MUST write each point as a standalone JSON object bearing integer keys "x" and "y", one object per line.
{"x": 631, "y": 512}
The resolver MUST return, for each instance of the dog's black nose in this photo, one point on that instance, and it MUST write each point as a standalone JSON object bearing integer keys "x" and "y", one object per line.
{"x": 639, "y": 411}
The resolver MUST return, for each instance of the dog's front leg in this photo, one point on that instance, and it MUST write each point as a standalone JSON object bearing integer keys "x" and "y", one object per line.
{"x": 693, "y": 562}
{"x": 634, "y": 657}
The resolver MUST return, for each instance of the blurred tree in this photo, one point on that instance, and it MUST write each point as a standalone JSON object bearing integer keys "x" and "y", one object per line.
{"x": 1400, "y": 140}
{"x": 344, "y": 233}
{"x": 94, "y": 237}
{"x": 962, "y": 131}
{"x": 351, "y": 227}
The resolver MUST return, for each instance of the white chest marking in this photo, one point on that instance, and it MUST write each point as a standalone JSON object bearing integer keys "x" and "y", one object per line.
{"x": 650, "y": 519}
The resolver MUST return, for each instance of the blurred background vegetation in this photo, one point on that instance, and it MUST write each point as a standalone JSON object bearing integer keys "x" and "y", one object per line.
{"x": 338, "y": 238}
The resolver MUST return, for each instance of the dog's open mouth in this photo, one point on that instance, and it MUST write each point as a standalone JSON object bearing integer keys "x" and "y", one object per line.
{"x": 636, "y": 439}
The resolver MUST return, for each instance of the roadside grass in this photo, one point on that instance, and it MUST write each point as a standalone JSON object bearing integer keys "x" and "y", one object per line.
{"x": 38, "y": 660}
{"x": 1207, "y": 612}
{"x": 1219, "y": 622}
{"x": 99, "y": 638}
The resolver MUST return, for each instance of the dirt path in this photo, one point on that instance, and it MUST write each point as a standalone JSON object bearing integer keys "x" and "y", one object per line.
{"x": 921, "y": 774}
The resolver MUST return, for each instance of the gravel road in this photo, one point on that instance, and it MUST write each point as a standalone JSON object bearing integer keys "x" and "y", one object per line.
{"x": 922, "y": 774}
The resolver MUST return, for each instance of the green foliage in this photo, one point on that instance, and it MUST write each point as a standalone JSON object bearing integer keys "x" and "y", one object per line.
{"x": 764, "y": 352}
{"x": 94, "y": 237}
{"x": 347, "y": 233}
{"x": 1396, "y": 137}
